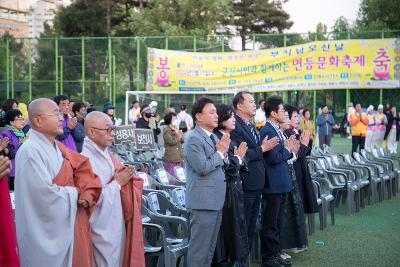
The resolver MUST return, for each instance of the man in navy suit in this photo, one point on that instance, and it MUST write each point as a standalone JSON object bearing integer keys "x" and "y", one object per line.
{"x": 254, "y": 180}
{"x": 280, "y": 183}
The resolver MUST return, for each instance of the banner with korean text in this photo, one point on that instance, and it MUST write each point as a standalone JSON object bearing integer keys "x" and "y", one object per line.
{"x": 372, "y": 63}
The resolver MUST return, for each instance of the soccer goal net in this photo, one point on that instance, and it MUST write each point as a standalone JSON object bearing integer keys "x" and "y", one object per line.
{"x": 172, "y": 99}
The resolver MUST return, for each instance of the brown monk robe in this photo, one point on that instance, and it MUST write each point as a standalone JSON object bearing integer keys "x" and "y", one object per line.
{"x": 131, "y": 198}
{"x": 76, "y": 171}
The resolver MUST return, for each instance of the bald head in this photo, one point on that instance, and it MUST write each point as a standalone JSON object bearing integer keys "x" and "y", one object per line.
{"x": 40, "y": 106}
{"x": 45, "y": 117}
{"x": 96, "y": 119}
{"x": 99, "y": 128}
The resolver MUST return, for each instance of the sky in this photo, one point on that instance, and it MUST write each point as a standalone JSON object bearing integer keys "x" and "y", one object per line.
{"x": 306, "y": 14}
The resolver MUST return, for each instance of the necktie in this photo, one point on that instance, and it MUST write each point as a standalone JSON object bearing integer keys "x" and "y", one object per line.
{"x": 253, "y": 133}
{"x": 213, "y": 139}
{"x": 281, "y": 136}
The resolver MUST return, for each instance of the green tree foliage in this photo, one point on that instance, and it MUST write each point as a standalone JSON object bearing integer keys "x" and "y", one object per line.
{"x": 378, "y": 15}
{"x": 341, "y": 28}
{"x": 179, "y": 17}
{"x": 259, "y": 16}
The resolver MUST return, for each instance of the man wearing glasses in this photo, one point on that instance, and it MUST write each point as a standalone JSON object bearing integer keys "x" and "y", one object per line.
{"x": 107, "y": 221}
{"x": 55, "y": 188}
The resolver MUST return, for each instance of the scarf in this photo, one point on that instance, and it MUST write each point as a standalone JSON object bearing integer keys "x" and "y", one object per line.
{"x": 18, "y": 133}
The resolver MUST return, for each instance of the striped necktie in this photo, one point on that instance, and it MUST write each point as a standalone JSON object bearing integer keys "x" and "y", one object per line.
{"x": 253, "y": 133}
{"x": 213, "y": 139}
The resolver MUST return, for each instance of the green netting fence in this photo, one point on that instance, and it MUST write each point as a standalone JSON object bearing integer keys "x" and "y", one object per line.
{"x": 101, "y": 69}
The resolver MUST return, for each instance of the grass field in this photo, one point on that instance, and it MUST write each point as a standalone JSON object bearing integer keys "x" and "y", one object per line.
{"x": 369, "y": 238}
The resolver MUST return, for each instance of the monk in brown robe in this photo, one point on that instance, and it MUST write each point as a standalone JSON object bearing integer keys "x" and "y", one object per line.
{"x": 124, "y": 191}
{"x": 76, "y": 171}
{"x": 73, "y": 171}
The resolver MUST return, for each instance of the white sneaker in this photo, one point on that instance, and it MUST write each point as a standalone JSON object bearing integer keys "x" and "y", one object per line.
{"x": 285, "y": 256}
{"x": 299, "y": 250}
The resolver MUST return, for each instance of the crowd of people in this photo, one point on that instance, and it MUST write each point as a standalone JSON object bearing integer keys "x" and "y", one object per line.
{"x": 232, "y": 169}
{"x": 71, "y": 209}
{"x": 373, "y": 128}
{"x": 76, "y": 205}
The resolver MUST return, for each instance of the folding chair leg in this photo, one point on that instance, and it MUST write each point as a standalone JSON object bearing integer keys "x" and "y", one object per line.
{"x": 362, "y": 197}
{"x": 381, "y": 191}
{"x": 332, "y": 208}
{"x": 311, "y": 223}
{"x": 321, "y": 217}
{"x": 350, "y": 198}
{"x": 389, "y": 189}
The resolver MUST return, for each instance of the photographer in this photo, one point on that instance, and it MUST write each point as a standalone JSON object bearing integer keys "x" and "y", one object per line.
{"x": 148, "y": 121}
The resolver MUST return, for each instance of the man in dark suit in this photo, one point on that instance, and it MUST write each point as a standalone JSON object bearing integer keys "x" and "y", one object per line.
{"x": 255, "y": 180}
{"x": 206, "y": 186}
{"x": 280, "y": 183}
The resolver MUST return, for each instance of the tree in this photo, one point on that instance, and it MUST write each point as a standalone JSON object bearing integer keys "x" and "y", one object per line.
{"x": 341, "y": 28}
{"x": 179, "y": 17}
{"x": 342, "y": 24}
{"x": 259, "y": 16}
{"x": 378, "y": 15}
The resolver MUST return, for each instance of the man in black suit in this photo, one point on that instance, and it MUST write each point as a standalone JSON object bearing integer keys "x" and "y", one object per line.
{"x": 255, "y": 180}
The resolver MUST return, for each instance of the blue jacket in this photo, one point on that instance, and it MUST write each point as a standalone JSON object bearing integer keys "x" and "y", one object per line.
{"x": 325, "y": 127}
{"x": 277, "y": 169}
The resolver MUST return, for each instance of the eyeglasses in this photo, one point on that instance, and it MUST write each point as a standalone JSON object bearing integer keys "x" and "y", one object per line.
{"x": 19, "y": 119}
{"x": 56, "y": 114}
{"x": 108, "y": 130}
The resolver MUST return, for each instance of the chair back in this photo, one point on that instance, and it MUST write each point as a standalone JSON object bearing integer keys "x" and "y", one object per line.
{"x": 179, "y": 198}
{"x": 180, "y": 173}
{"x": 162, "y": 177}
{"x": 145, "y": 177}
{"x": 357, "y": 157}
{"x": 322, "y": 164}
{"x": 348, "y": 159}
{"x": 336, "y": 160}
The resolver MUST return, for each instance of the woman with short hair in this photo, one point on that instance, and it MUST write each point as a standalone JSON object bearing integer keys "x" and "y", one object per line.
{"x": 173, "y": 139}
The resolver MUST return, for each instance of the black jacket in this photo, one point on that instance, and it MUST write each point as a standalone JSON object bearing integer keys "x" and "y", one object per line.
{"x": 143, "y": 124}
{"x": 392, "y": 120}
{"x": 232, "y": 243}
{"x": 256, "y": 178}
{"x": 303, "y": 177}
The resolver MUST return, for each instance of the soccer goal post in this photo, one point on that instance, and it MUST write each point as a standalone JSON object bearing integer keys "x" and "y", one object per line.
{"x": 174, "y": 99}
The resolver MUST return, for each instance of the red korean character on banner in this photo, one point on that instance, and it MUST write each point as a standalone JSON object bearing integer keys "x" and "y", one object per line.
{"x": 381, "y": 64}
{"x": 334, "y": 61}
{"x": 163, "y": 77}
{"x": 321, "y": 63}
{"x": 360, "y": 60}
{"x": 297, "y": 63}
{"x": 346, "y": 61}
{"x": 309, "y": 62}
